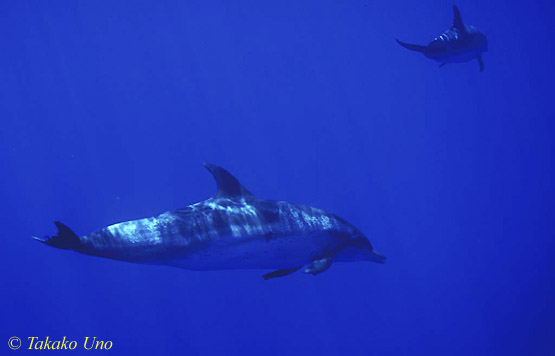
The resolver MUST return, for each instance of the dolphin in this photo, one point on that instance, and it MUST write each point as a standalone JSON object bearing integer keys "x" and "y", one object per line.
{"x": 234, "y": 229}
{"x": 459, "y": 43}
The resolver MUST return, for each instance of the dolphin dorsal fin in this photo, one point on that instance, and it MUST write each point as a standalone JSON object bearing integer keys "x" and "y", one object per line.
{"x": 457, "y": 20}
{"x": 228, "y": 186}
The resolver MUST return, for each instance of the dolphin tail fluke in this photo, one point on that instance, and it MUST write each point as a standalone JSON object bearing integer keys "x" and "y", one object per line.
{"x": 377, "y": 257}
{"x": 65, "y": 239}
{"x": 412, "y": 47}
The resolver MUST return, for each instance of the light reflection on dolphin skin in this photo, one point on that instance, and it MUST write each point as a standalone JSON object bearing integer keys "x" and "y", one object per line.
{"x": 459, "y": 43}
{"x": 232, "y": 230}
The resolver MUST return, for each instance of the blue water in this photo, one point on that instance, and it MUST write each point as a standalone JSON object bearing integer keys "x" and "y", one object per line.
{"x": 108, "y": 110}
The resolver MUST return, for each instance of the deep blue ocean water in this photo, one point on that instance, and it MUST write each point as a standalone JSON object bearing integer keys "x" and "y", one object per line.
{"x": 109, "y": 108}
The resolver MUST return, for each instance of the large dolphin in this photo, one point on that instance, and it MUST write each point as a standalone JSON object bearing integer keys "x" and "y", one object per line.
{"x": 459, "y": 43}
{"x": 232, "y": 230}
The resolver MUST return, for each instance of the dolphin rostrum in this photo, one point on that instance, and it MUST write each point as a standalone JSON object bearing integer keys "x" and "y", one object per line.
{"x": 459, "y": 43}
{"x": 232, "y": 230}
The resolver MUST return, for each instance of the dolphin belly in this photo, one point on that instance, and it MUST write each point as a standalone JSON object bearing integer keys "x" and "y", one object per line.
{"x": 455, "y": 56}
{"x": 253, "y": 253}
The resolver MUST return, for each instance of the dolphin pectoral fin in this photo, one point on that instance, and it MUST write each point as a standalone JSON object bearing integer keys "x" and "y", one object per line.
{"x": 412, "y": 47}
{"x": 319, "y": 266}
{"x": 377, "y": 257}
{"x": 481, "y": 62}
{"x": 281, "y": 272}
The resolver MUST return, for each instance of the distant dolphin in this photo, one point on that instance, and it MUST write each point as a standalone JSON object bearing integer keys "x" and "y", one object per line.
{"x": 232, "y": 230}
{"x": 459, "y": 43}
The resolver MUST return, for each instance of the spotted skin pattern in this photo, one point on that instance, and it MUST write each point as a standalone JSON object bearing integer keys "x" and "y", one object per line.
{"x": 201, "y": 226}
